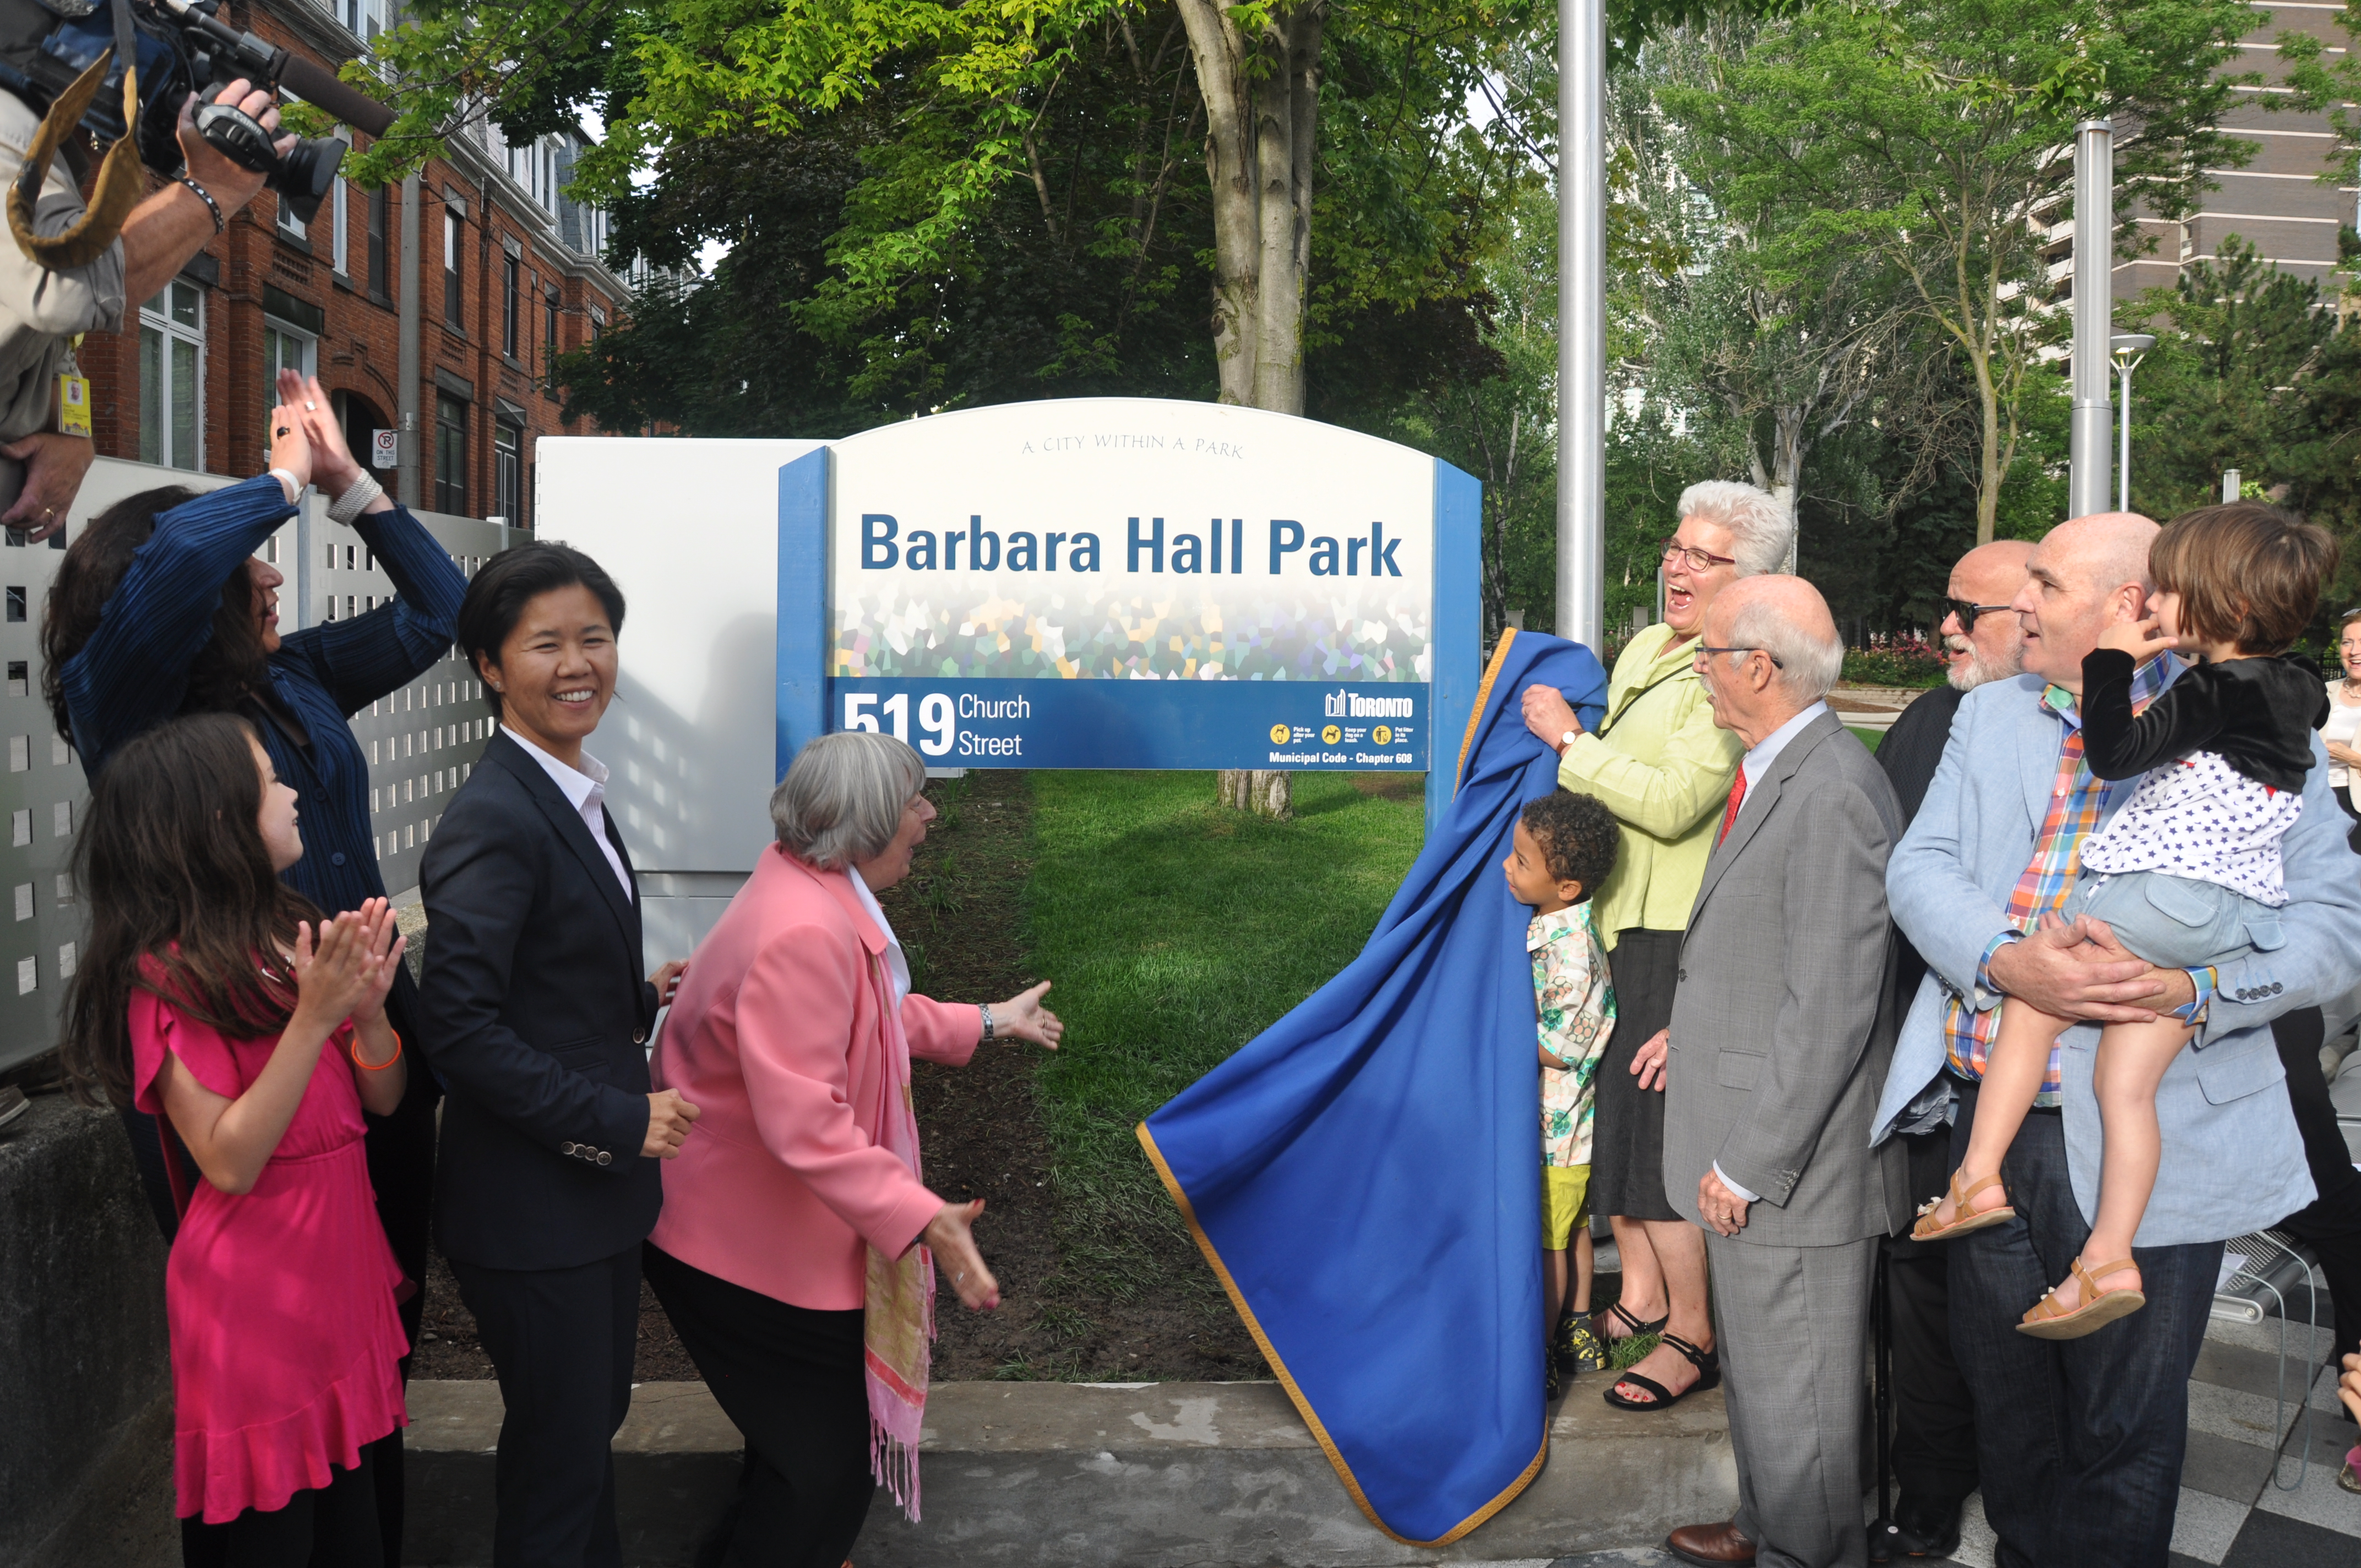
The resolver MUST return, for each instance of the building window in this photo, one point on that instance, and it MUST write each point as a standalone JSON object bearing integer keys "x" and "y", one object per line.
{"x": 285, "y": 347}
{"x": 454, "y": 228}
{"x": 380, "y": 273}
{"x": 289, "y": 223}
{"x": 507, "y": 473}
{"x": 549, "y": 344}
{"x": 509, "y": 306}
{"x": 171, "y": 372}
{"x": 363, "y": 18}
{"x": 339, "y": 246}
{"x": 451, "y": 457}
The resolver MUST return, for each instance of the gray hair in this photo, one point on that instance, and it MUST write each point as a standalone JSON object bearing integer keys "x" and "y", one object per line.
{"x": 842, "y": 798}
{"x": 1763, "y": 525}
{"x": 1809, "y": 663}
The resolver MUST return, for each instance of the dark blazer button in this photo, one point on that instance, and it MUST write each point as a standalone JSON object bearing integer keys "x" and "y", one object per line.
{"x": 639, "y": 1037}
{"x": 337, "y": 859}
{"x": 605, "y": 1158}
{"x": 565, "y": 1148}
{"x": 2277, "y": 987}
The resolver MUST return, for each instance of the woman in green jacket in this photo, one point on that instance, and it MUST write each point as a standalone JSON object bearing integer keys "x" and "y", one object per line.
{"x": 1658, "y": 762}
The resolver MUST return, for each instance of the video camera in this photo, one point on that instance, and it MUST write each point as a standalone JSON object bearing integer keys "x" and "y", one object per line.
{"x": 181, "y": 47}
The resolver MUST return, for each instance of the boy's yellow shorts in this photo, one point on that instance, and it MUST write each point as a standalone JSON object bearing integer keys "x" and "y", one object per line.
{"x": 1565, "y": 1203}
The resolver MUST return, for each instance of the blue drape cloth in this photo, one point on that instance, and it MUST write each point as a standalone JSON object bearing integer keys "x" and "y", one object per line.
{"x": 1365, "y": 1175}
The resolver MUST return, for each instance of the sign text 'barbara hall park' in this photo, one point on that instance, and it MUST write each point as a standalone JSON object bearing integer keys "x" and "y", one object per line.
{"x": 1128, "y": 583}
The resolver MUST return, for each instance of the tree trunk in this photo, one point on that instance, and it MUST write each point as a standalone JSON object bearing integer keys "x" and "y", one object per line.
{"x": 1262, "y": 100}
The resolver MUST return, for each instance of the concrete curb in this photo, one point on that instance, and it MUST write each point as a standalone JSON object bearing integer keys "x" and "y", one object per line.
{"x": 1150, "y": 1475}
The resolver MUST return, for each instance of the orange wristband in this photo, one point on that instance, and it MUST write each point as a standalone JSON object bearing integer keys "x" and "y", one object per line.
{"x": 379, "y": 1066}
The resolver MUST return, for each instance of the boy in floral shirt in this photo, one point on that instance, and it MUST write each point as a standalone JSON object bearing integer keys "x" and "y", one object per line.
{"x": 1564, "y": 847}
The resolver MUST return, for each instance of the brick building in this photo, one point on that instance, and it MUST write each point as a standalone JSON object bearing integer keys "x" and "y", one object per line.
{"x": 508, "y": 274}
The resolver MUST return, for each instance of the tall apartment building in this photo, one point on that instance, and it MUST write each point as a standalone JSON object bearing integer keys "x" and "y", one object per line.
{"x": 509, "y": 274}
{"x": 2278, "y": 203}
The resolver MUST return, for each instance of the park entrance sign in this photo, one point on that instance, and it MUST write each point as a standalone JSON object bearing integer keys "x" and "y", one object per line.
{"x": 1124, "y": 583}
{"x": 1099, "y": 583}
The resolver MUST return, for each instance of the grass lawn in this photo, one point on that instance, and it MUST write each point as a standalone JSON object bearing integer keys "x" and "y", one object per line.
{"x": 1175, "y": 931}
{"x": 1869, "y": 738}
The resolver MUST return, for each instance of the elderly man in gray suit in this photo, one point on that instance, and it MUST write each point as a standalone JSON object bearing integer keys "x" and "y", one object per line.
{"x": 1777, "y": 1046}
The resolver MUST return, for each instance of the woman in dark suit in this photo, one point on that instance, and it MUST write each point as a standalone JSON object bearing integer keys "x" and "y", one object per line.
{"x": 537, "y": 1021}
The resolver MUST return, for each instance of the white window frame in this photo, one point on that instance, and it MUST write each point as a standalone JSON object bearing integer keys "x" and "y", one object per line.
{"x": 170, "y": 330}
{"x": 340, "y": 236}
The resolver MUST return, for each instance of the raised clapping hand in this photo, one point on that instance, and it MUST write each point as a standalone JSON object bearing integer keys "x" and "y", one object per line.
{"x": 291, "y": 440}
{"x": 346, "y": 969}
{"x": 333, "y": 466}
{"x": 1022, "y": 1017}
{"x": 951, "y": 1236}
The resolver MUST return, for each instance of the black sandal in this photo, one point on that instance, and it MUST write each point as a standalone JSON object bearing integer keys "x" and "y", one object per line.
{"x": 1706, "y": 1361}
{"x": 1616, "y": 1312}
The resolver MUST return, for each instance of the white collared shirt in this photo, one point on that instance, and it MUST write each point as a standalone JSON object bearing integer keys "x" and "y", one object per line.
{"x": 586, "y": 791}
{"x": 1766, "y": 751}
{"x": 1753, "y": 765}
{"x": 898, "y": 963}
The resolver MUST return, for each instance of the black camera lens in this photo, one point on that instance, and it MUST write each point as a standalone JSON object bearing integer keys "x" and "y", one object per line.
{"x": 304, "y": 176}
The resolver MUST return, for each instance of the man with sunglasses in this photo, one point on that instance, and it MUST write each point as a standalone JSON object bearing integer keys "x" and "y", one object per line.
{"x": 1934, "y": 1421}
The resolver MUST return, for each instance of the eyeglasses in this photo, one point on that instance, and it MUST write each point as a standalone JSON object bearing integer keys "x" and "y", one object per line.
{"x": 1968, "y": 612}
{"x": 1701, "y": 650}
{"x": 1699, "y": 560}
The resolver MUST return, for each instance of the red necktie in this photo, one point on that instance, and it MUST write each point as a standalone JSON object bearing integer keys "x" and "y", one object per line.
{"x": 1730, "y": 812}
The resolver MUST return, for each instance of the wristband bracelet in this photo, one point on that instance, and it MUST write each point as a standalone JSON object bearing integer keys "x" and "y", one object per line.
{"x": 379, "y": 1066}
{"x": 985, "y": 1009}
{"x": 357, "y": 498}
{"x": 220, "y": 223}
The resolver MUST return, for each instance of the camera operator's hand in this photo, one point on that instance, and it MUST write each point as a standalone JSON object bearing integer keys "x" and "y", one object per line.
{"x": 231, "y": 186}
{"x": 54, "y": 465}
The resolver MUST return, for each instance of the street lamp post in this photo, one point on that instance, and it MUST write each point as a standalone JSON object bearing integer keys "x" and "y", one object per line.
{"x": 1582, "y": 320}
{"x": 2128, "y": 349}
{"x": 2095, "y": 213}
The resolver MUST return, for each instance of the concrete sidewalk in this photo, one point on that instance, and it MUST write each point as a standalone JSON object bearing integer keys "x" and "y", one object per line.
{"x": 1154, "y": 1475}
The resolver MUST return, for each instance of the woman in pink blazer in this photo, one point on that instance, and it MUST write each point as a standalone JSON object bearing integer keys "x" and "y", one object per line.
{"x": 793, "y": 1252}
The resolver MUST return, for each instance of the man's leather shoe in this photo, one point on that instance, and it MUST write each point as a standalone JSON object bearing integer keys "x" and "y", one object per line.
{"x": 1710, "y": 1545}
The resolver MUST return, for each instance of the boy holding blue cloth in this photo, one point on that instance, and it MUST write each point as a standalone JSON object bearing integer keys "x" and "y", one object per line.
{"x": 1565, "y": 846}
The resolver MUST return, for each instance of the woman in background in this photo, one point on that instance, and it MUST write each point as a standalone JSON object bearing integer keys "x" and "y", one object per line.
{"x": 2341, "y": 733}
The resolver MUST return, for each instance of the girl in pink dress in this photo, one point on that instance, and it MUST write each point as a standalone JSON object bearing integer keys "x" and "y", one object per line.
{"x": 215, "y": 996}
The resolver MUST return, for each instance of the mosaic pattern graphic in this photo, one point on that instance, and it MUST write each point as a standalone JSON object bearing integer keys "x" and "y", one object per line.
{"x": 1280, "y": 634}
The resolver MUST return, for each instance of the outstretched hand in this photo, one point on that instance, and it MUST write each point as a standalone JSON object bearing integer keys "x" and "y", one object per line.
{"x": 1022, "y": 1017}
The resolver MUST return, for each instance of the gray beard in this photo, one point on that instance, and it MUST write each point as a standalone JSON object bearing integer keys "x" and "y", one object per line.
{"x": 1978, "y": 670}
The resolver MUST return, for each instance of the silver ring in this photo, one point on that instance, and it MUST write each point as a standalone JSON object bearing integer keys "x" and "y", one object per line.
{"x": 310, "y": 404}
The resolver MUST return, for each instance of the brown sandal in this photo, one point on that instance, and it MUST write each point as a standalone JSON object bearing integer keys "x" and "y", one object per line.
{"x": 2046, "y": 1319}
{"x": 1968, "y": 1219}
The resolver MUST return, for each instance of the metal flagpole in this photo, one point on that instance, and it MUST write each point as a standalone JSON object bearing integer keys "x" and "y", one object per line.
{"x": 1582, "y": 320}
{"x": 2095, "y": 230}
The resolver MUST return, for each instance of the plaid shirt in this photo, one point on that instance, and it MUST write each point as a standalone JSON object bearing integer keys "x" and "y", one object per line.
{"x": 2076, "y": 800}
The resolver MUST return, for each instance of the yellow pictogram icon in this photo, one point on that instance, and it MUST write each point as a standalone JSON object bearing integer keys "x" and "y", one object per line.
{"x": 1278, "y": 734}
{"x": 1383, "y": 735}
{"x": 1331, "y": 735}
